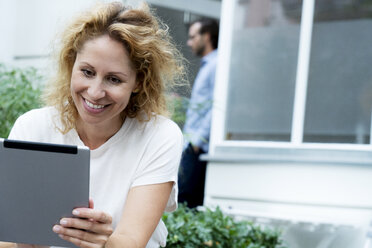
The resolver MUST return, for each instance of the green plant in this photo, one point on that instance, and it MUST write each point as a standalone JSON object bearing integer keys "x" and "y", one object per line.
{"x": 177, "y": 106}
{"x": 189, "y": 228}
{"x": 20, "y": 91}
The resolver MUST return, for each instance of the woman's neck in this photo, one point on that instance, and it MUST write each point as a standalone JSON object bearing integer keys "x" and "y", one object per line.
{"x": 93, "y": 136}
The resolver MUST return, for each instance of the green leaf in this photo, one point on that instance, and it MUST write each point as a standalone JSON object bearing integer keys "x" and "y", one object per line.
{"x": 20, "y": 90}
{"x": 212, "y": 228}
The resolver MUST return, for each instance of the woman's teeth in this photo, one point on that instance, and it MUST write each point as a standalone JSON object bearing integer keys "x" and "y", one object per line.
{"x": 93, "y": 105}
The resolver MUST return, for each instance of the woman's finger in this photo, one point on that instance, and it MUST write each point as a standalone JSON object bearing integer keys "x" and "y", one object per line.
{"x": 30, "y": 246}
{"x": 81, "y": 235}
{"x": 88, "y": 225}
{"x": 96, "y": 215}
{"x": 80, "y": 243}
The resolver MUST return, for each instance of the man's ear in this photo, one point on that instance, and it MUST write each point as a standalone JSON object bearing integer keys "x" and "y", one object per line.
{"x": 207, "y": 37}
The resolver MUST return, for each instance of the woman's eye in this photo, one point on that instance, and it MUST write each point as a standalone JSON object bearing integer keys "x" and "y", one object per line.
{"x": 88, "y": 73}
{"x": 114, "y": 80}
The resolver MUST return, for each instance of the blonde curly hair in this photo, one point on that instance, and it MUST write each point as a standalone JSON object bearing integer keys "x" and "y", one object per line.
{"x": 157, "y": 62}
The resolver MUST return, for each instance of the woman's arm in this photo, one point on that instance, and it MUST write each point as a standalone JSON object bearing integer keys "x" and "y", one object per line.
{"x": 142, "y": 212}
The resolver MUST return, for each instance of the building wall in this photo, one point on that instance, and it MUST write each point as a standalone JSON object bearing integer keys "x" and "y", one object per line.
{"x": 287, "y": 148}
{"x": 30, "y": 28}
{"x": 312, "y": 203}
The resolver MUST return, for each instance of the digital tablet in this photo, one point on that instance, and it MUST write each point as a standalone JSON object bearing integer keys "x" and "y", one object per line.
{"x": 39, "y": 184}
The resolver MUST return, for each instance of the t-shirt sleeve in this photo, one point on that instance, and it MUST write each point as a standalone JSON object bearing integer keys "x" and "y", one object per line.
{"x": 22, "y": 128}
{"x": 161, "y": 159}
{"x": 34, "y": 125}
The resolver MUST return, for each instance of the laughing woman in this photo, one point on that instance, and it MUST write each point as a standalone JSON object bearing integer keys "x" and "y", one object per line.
{"x": 114, "y": 66}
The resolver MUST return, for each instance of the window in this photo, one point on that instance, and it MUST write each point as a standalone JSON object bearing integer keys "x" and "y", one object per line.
{"x": 339, "y": 95}
{"x": 263, "y": 70}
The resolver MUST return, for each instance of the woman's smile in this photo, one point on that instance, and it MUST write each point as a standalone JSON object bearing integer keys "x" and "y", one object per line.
{"x": 94, "y": 108}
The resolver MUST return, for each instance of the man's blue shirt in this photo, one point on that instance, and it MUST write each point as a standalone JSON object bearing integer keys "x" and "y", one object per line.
{"x": 198, "y": 116}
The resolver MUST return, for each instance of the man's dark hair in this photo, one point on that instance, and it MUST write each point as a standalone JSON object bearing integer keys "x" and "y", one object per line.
{"x": 209, "y": 26}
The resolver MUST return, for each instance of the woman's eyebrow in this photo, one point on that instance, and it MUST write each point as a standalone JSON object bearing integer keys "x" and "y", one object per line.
{"x": 118, "y": 72}
{"x": 86, "y": 64}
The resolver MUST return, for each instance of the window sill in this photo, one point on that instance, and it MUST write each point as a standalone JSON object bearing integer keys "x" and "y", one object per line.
{"x": 268, "y": 152}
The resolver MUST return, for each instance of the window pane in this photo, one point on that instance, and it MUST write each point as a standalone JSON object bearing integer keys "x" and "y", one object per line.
{"x": 339, "y": 97}
{"x": 263, "y": 69}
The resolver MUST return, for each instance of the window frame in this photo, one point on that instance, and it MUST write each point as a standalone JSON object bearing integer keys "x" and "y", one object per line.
{"x": 218, "y": 128}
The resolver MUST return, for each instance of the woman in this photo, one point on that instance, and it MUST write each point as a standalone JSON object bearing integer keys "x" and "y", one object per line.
{"x": 113, "y": 68}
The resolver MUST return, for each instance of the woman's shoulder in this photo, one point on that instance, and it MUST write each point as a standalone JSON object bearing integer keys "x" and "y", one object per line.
{"x": 158, "y": 129}
{"x": 34, "y": 124}
{"x": 160, "y": 124}
{"x": 38, "y": 115}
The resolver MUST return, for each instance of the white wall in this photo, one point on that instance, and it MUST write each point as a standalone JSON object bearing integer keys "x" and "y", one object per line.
{"x": 7, "y": 29}
{"x": 28, "y": 28}
{"x": 316, "y": 205}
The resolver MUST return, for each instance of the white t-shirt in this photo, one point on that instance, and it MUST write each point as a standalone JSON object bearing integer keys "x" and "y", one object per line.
{"x": 140, "y": 153}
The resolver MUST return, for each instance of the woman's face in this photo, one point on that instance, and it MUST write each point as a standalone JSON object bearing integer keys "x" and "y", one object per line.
{"x": 102, "y": 82}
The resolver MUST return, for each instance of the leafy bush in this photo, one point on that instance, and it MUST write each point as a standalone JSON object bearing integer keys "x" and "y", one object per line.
{"x": 177, "y": 106}
{"x": 189, "y": 228}
{"x": 19, "y": 92}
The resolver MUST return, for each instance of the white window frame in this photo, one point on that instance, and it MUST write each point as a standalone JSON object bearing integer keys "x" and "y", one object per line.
{"x": 218, "y": 128}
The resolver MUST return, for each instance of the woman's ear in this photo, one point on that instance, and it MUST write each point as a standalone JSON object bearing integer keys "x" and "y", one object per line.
{"x": 136, "y": 90}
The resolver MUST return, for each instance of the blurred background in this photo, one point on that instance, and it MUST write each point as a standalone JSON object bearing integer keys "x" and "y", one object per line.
{"x": 291, "y": 131}
{"x": 29, "y": 28}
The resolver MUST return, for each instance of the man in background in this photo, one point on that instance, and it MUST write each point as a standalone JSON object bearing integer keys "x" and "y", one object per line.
{"x": 203, "y": 41}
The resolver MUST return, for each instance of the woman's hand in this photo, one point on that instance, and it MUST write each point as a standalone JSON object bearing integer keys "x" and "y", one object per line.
{"x": 30, "y": 246}
{"x": 91, "y": 229}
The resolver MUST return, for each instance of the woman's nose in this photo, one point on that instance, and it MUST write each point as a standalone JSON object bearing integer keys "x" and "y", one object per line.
{"x": 96, "y": 89}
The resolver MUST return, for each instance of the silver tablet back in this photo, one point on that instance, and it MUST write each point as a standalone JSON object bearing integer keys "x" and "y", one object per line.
{"x": 39, "y": 184}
